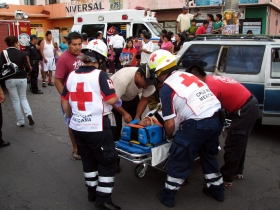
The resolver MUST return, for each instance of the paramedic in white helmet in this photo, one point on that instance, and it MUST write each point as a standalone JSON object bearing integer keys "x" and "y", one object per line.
{"x": 183, "y": 95}
{"x": 87, "y": 100}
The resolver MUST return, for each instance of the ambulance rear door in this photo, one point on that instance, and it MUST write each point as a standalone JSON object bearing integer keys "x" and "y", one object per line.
{"x": 271, "y": 108}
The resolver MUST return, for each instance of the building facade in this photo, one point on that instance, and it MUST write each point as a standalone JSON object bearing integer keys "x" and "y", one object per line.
{"x": 259, "y": 15}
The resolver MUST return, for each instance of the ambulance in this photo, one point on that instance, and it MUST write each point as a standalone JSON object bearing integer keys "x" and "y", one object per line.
{"x": 253, "y": 60}
{"x": 129, "y": 22}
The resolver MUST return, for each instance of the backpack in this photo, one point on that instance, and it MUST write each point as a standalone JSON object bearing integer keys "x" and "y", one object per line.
{"x": 8, "y": 69}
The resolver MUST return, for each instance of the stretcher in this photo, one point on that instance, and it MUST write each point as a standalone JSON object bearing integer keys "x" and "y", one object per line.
{"x": 137, "y": 142}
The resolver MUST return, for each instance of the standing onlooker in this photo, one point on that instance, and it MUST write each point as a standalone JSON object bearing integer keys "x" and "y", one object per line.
{"x": 167, "y": 44}
{"x": 67, "y": 63}
{"x": 2, "y": 99}
{"x": 117, "y": 43}
{"x": 202, "y": 29}
{"x": 191, "y": 31}
{"x": 137, "y": 44}
{"x": 57, "y": 51}
{"x": 99, "y": 36}
{"x": 163, "y": 33}
{"x": 249, "y": 32}
{"x": 129, "y": 48}
{"x": 47, "y": 52}
{"x": 171, "y": 34}
{"x": 84, "y": 40}
{"x": 100, "y": 33}
{"x": 111, "y": 57}
{"x": 17, "y": 84}
{"x": 178, "y": 44}
{"x": 41, "y": 62}
{"x": 147, "y": 48}
{"x": 63, "y": 45}
{"x": 210, "y": 19}
{"x": 184, "y": 19}
{"x": 218, "y": 24}
{"x": 33, "y": 57}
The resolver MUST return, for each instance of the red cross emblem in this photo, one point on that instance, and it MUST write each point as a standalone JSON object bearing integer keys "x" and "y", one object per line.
{"x": 80, "y": 96}
{"x": 188, "y": 80}
{"x": 153, "y": 57}
{"x": 95, "y": 43}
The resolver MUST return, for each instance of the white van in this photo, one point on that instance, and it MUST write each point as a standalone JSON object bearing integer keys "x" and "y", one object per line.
{"x": 130, "y": 22}
{"x": 252, "y": 60}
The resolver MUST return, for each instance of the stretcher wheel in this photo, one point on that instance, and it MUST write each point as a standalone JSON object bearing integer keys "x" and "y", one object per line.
{"x": 140, "y": 171}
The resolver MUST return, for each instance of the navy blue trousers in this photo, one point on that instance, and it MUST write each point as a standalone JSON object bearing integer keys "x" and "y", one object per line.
{"x": 193, "y": 138}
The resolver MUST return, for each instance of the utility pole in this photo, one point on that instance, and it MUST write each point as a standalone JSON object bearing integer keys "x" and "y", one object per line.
{"x": 187, "y": 3}
{"x": 231, "y": 4}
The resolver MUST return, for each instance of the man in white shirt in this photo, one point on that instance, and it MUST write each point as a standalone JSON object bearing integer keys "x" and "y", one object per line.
{"x": 146, "y": 49}
{"x": 184, "y": 19}
{"x": 116, "y": 44}
{"x": 129, "y": 82}
{"x": 47, "y": 52}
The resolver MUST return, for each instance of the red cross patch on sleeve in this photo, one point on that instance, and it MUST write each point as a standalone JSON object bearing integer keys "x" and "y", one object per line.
{"x": 110, "y": 84}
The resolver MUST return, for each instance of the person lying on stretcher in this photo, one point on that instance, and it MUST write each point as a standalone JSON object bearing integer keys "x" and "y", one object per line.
{"x": 154, "y": 117}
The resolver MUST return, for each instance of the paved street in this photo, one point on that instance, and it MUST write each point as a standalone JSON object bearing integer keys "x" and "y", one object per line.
{"x": 37, "y": 173}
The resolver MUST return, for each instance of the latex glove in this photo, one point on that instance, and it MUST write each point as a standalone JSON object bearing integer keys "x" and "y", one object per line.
{"x": 118, "y": 103}
{"x": 67, "y": 119}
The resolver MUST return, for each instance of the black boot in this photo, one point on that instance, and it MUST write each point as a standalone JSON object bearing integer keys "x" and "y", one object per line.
{"x": 91, "y": 194}
{"x": 106, "y": 206}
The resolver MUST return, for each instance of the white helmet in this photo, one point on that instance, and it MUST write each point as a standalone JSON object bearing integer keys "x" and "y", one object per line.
{"x": 98, "y": 46}
{"x": 161, "y": 60}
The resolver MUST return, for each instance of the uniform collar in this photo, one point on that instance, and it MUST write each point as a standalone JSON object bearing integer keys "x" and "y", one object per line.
{"x": 85, "y": 69}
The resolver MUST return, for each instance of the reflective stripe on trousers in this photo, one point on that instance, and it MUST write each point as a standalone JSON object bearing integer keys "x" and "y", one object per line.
{"x": 215, "y": 179}
{"x": 173, "y": 183}
{"x": 105, "y": 184}
{"x": 91, "y": 178}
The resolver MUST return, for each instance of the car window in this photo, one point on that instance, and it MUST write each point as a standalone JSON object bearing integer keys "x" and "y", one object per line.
{"x": 244, "y": 59}
{"x": 275, "y": 63}
{"x": 204, "y": 55}
{"x": 92, "y": 29}
{"x": 156, "y": 28}
{"x": 138, "y": 28}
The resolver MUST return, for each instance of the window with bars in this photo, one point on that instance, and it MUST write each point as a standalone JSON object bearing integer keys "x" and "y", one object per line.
{"x": 52, "y": 1}
{"x": 29, "y": 2}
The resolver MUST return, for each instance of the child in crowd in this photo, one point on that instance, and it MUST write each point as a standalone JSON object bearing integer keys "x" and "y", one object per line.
{"x": 202, "y": 29}
{"x": 218, "y": 24}
{"x": 191, "y": 31}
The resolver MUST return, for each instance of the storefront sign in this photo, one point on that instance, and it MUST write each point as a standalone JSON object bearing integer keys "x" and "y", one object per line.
{"x": 213, "y": 11}
{"x": 83, "y": 6}
{"x": 255, "y": 27}
{"x": 219, "y": 2}
{"x": 116, "y": 4}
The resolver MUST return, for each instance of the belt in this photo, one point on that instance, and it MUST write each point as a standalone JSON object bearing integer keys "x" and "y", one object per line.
{"x": 237, "y": 112}
{"x": 215, "y": 115}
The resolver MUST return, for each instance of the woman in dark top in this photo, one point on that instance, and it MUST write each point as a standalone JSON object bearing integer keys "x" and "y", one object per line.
{"x": 178, "y": 44}
{"x": 17, "y": 84}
